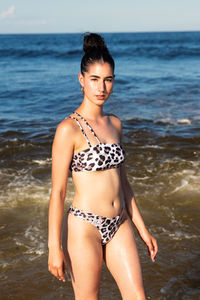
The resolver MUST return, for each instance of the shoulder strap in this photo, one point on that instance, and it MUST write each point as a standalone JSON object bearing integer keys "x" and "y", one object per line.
{"x": 88, "y": 125}
{"x": 77, "y": 121}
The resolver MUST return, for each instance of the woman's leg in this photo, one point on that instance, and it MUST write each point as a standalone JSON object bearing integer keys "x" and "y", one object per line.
{"x": 121, "y": 257}
{"x": 85, "y": 254}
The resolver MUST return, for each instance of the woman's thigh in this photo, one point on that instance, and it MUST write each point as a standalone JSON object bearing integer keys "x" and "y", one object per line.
{"x": 122, "y": 259}
{"x": 85, "y": 255}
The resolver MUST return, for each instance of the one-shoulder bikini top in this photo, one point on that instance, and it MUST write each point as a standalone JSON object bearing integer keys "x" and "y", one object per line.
{"x": 99, "y": 157}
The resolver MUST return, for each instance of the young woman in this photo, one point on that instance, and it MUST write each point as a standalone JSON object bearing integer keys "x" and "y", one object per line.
{"x": 99, "y": 221}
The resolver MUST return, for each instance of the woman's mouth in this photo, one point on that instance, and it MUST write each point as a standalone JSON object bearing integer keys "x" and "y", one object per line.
{"x": 100, "y": 97}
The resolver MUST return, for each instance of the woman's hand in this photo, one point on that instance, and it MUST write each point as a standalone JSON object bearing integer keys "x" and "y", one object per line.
{"x": 57, "y": 263}
{"x": 151, "y": 243}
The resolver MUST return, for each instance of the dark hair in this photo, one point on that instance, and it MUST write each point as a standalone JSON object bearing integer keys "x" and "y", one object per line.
{"x": 95, "y": 51}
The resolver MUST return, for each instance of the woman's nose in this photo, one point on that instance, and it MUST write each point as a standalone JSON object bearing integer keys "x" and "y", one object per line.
{"x": 101, "y": 86}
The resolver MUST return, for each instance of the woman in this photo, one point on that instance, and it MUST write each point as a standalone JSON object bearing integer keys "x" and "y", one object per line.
{"x": 98, "y": 223}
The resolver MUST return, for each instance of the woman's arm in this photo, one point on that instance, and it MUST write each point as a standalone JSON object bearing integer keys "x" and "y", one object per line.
{"x": 135, "y": 215}
{"x": 62, "y": 151}
{"x": 132, "y": 207}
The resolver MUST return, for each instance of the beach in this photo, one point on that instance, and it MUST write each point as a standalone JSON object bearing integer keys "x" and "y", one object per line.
{"x": 157, "y": 97}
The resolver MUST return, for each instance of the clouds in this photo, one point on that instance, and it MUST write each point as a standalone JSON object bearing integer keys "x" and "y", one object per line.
{"x": 24, "y": 20}
{"x": 9, "y": 13}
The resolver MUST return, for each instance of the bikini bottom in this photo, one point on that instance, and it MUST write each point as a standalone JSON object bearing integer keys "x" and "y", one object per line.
{"x": 107, "y": 226}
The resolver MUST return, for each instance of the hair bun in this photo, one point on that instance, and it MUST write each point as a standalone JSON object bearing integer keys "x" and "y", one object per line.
{"x": 92, "y": 42}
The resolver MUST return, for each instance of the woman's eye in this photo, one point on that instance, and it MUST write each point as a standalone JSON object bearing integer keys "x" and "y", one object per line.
{"x": 94, "y": 79}
{"x": 109, "y": 80}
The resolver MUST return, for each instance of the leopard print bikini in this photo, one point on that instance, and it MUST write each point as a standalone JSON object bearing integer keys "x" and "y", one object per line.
{"x": 107, "y": 226}
{"x": 97, "y": 158}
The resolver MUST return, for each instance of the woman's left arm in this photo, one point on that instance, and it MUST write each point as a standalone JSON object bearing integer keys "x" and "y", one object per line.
{"x": 135, "y": 216}
{"x": 131, "y": 205}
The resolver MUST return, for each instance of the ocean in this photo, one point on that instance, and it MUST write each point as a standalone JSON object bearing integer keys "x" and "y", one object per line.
{"x": 157, "y": 96}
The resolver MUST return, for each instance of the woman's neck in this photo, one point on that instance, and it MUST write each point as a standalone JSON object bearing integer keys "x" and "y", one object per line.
{"x": 90, "y": 110}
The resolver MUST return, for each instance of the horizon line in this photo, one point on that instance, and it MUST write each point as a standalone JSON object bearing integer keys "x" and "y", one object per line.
{"x": 103, "y": 32}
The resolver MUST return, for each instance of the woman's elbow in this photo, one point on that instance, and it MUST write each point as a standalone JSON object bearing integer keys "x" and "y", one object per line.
{"x": 58, "y": 194}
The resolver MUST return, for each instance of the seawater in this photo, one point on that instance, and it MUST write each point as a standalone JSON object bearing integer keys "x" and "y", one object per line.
{"x": 157, "y": 97}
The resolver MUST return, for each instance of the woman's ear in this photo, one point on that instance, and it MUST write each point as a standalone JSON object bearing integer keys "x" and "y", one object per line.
{"x": 81, "y": 77}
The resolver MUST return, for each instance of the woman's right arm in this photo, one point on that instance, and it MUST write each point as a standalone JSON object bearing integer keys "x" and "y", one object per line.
{"x": 62, "y": 152}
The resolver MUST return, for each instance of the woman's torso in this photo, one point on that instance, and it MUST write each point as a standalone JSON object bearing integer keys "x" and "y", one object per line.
{"x": 97, "y": 191}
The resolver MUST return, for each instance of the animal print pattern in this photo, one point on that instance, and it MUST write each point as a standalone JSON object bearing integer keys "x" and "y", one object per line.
{"x": 107, "y": 226}
{"x": 99, "y": 157}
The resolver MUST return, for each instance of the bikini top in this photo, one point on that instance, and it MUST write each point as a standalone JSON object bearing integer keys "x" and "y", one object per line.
{"x": 99, "y": 157}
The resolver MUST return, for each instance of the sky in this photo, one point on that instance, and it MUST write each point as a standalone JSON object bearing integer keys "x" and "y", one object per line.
{"x": 64, "y": 16}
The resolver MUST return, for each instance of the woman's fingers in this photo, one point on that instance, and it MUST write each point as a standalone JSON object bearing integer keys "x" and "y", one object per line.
{"x": 57, "y": 272}
{"x": 151, "y": 250}
{"x": 61, "y": 274}
{"x": 154, "y": 249}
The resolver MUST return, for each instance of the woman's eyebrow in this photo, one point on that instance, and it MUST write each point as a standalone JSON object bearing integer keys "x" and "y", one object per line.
{"x": 96, "y": 76}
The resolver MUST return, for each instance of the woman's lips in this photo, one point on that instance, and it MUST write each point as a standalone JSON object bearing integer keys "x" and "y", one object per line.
{"x": 100, "y": 97}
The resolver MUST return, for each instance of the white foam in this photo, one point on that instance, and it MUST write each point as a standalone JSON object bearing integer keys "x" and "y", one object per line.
{"x": 189, "y": 181}
{"x": 4, "y": 265}
{"x": 184, "y": 121}
{"x": 169, "y": 121}
{"x": 178, "y": 234}
{"x": 42, "y": 161}
{"x": 36, "y": 251}
{"x": 21, "y": 187}
{"x": 32, "y": 241}
{"x": 152, "y": 146}
{"x": 172, "y": 121}
{"x": 184, "y": 183}
{"x": 167, "y": 177}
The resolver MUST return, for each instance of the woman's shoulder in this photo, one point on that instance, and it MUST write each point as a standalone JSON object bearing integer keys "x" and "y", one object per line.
{"x": 67, "y": 127}
{"x": 115, "y": 121}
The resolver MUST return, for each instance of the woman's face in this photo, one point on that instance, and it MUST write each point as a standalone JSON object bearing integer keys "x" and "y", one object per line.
{"x": 97, "y": 82}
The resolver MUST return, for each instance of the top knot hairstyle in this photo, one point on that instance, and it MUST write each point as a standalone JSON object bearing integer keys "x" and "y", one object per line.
{"x": 95, "y": 51}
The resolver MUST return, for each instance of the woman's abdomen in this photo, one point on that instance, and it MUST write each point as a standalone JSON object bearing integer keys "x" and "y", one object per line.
{"x": 98, "y": 192}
